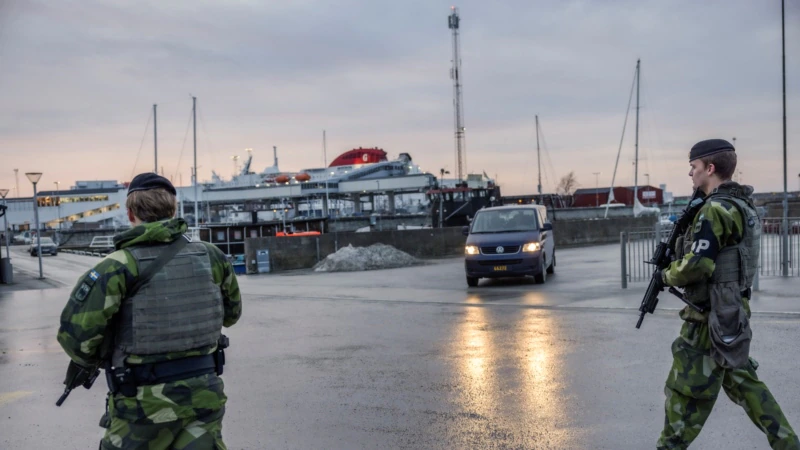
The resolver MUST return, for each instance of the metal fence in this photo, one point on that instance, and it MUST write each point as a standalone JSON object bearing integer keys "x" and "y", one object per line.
{"x": 637, "y": 246}
{"x": 771, "y": 258}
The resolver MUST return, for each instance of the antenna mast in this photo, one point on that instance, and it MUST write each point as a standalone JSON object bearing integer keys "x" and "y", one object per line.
{"x": 455, "y": 73}
{"x": 538, "y": 160}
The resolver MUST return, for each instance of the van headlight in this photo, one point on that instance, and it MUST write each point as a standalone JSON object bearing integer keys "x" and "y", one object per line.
{"x": 471, "y": 250}
{"x": 531, "y": 247}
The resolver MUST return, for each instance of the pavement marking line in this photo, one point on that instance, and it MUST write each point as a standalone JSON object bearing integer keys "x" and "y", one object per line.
{"x": 8, "y": 397}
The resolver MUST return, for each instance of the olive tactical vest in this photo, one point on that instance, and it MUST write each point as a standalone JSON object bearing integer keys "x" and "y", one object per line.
{"x": 734, "y": 263}
{"x": 178, "y": 310}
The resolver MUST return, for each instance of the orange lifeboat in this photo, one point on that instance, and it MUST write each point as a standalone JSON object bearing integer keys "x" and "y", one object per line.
{"x": 297, "y": 233}
{"x": 281, "y": 179}
{"x": 302, "y": 177}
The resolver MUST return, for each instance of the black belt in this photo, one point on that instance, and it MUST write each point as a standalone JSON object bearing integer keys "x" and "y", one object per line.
{"x": 167, "y": 371}
{"x": 126, "y": 379}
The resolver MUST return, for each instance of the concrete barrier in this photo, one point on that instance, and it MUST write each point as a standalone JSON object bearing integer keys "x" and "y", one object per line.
{"x": 287, "y": 253}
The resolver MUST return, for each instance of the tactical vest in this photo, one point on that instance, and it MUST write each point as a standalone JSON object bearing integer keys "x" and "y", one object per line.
{"x": 734, "y": 263}
{"x": 180, "y": 309}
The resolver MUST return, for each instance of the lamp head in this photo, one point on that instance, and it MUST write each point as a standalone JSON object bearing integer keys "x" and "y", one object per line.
{"x": 34, "y": 177}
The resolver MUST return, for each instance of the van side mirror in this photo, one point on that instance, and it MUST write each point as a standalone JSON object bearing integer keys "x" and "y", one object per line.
{"x": 547, "y": 226}
{"x": 465, "y": 230}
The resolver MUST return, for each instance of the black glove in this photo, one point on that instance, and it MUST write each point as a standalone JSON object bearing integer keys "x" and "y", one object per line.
{"x": 659, "y": 281}
{"x": 77, "y": 375}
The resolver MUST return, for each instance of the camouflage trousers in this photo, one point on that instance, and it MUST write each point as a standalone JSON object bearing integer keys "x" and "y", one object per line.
{"x": 197, "y": 433}
{"x": 694, "y": 383}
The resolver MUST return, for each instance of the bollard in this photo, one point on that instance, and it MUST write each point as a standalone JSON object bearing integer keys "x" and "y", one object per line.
{"x": 623, "y": 243}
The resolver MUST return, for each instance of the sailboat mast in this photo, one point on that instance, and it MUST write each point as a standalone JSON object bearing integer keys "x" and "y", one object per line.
{"x": 785, "y": 236}
{"x": 636, "y": 161}
{"x": 155, "y": 139}
{"x": 194, "y": 135}
{"x": 538, "y": 160}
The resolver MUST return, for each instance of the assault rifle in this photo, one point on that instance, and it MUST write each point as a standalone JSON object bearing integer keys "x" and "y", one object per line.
{"x": 78, "y": 375}
{"x": 663, "y": 256}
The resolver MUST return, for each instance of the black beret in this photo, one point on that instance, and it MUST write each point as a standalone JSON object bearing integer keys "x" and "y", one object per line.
{"x": 150, "y": 180}
{"x": 710, "y": 147}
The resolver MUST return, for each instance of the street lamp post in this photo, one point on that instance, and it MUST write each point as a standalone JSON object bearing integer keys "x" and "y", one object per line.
{"x": 34, "y": 178}
{"x": 58, "y": 200}
{"x": 3, "y": 193}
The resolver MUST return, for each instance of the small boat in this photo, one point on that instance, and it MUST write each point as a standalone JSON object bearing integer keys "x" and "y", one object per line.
{"x": 297, "y": 233}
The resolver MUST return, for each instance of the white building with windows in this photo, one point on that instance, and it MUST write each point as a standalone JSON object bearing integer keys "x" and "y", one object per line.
{"x": 100, "y": 203}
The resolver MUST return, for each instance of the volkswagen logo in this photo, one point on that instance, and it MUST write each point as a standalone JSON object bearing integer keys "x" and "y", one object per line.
{"x": 500, "y": 249}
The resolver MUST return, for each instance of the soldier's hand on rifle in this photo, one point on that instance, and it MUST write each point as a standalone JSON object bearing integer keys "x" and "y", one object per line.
{"x": 659, "y": 281}
{"x": 76, "y": 375}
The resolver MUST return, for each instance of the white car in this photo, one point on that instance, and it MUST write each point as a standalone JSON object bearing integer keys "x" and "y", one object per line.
{"x": 26, "y": 237}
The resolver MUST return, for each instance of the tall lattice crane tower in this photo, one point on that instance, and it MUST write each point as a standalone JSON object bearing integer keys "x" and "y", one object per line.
{"x": 455, "y": 73}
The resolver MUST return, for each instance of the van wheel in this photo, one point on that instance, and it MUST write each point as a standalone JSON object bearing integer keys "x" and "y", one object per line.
{"x": 472, "y": 281}
{"x": 541, "y": 277}
{"x": 552, "y": 269}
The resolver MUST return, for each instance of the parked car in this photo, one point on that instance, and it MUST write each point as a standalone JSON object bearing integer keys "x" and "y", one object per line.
{"x": 24, "y": 238}
{"x": 509, "y": 241}
{"x": 47, "y": 244}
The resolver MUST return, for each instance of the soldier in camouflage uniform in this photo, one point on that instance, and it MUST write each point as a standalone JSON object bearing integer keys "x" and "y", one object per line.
{"x": 717, "y": 260}
{"x": 161, "y": 345}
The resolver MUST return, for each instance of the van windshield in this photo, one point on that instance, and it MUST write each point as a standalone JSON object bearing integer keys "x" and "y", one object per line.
{"x": 505, "y": 221}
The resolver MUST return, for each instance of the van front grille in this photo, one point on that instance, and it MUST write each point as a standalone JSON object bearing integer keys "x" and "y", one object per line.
{"x": 507, "y": 250}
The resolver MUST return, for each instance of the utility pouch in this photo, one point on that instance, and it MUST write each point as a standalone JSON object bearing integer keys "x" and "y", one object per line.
{"x": 121, "y": 382}
{"x": 219, "y": 355}
{"x": 729, "y": 326}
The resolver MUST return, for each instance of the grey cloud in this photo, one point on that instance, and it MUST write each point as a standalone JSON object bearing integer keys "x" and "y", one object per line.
{"x": 275, "y": 70}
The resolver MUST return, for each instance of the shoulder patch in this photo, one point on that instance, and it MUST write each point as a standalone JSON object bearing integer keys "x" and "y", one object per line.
{"x": 82, "y": 292}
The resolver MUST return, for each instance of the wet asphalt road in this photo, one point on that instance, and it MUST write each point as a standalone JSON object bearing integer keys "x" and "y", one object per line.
{"x": 411, "y": 358}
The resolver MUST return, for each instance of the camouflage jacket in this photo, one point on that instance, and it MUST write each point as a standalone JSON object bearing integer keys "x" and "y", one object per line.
{"x": 88, "y": 319}
{"x": 717, "y": 225}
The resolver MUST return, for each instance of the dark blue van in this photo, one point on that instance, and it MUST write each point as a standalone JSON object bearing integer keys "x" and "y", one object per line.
{"x": 509, "y": 241}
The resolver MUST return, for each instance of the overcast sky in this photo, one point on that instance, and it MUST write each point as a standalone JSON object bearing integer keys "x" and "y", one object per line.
{"x": 78, "y": 80}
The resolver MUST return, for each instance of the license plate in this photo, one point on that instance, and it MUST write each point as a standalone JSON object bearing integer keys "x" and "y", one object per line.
{"x": 500, "y": 268}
